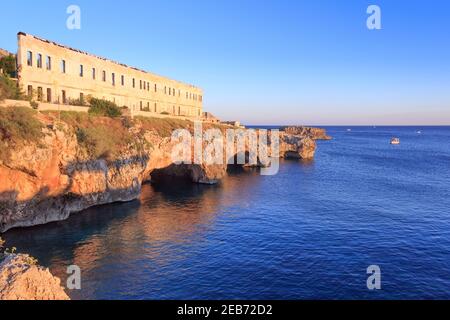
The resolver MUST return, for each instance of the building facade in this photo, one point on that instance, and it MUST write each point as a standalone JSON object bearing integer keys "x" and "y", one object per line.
{"x": 55, "y": 73}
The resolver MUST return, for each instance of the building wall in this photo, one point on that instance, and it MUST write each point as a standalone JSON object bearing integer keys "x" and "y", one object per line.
{"x": 158, "y": 94}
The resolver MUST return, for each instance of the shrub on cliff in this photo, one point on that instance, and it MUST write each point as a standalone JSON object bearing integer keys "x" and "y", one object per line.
{"x": 9, "y": 89}
{"x": 104, "y": 108}
{"x": 102, "y": 138}
{"x": 163, "y": 127}
{"x": 18, "y": 126}
{"x": 8, "y": 65}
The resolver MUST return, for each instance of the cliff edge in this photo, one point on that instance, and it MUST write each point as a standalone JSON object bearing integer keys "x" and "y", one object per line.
{"x": 22, "y": 279}
{"x": 54, "y": 164}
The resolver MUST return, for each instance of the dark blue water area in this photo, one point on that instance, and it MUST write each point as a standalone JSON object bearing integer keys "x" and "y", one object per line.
{"x": 309, "y": 232}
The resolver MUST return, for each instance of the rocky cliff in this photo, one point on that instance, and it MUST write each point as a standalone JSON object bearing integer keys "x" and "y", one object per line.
{"x": 22, "y": 279}
{"x": 75, "y": 161}
{"x": 313, "y": 133}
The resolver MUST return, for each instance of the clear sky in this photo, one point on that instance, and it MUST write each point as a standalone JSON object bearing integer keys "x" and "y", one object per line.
{"x": 272, "y": 61}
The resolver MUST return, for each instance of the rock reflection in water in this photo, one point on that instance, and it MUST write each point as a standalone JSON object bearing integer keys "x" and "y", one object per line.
{"x": 151, "y": 231}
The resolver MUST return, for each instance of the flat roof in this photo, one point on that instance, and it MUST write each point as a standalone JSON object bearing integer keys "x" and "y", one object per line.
{"x": 102, "y": 58}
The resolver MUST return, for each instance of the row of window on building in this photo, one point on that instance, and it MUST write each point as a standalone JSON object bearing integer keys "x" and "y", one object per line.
{"x": 143, "y": 85}
{"x": 64, "y": 100}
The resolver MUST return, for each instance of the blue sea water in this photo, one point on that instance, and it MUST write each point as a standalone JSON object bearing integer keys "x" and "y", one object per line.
{"x": 309, "y": 232}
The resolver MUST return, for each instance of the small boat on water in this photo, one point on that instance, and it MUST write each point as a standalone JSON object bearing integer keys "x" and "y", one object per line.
{"x": 419, "y": 132}
{"x": 395, "y": 141}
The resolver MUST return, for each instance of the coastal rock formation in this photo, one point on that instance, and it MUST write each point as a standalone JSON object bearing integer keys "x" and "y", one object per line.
{"x": 49, "y": 179}
{"x": 313, "y": 133}
{"x": 297, "y": 147}
{"x": 22, "y": 279}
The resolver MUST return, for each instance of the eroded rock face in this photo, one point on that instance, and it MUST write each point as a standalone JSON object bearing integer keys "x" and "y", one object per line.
{"x": 21, "y": 279}
{"x": 297, "y": 147}
{"x": 48, "y": 181}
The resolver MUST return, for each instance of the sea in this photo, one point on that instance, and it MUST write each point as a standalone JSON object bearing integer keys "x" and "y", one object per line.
{"x": 315, "y": 230}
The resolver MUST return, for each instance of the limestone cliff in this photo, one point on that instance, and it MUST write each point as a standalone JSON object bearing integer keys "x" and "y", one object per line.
{"x": 22, "y": 279}
{"x": 73, "y": 167}
{"x": 313, "y": 133}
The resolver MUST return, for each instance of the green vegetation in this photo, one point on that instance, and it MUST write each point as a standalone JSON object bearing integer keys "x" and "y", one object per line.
{"x": 101, "y": 137}
{"x": 102, "y": 142}
{"x": 2, "y": 247}
{"x": 9, "y": 89}
{"x": 77, "y": 102}
{"x": 6, "y": 251}
{"x": 163, "y": 126}
{"x": 8, "y": 64}
{"x": 18, "y": 126}
{"x": 34, "y": 104}
{"x": 100, "y": 107}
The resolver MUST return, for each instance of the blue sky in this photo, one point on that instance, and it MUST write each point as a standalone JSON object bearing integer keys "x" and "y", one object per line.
{"x": 270, "y": 62}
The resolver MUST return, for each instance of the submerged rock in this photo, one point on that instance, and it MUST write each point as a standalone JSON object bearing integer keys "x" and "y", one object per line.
{"x": 22, "y": 279}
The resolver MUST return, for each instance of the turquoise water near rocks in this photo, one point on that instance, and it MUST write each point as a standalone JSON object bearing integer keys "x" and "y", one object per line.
{"x": 309, "y": 232}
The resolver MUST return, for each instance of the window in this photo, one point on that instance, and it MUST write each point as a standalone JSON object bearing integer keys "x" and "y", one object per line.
{"x": 30, "y": 91}
{"x": 173, "y": 91}
{"x": 48, "y": 63}
{"x": 201, "y": 98}
{"x": 187, "y": 95}
{"x": 179, "y": 110}
{"x": 104, "y": 76}
{"x": 39, "y": 60}
{"x": 140, "y": 105}
{"x": 179, "y": 92}
{"x": 82, "y": 98}
{"x": 144, "y": 85}
{"x": 64, "y": 98}
{"x": 165, "y": 90}
{"x": 113, "y": 79}
{"x": 49, "y": 95}
{"x": 134, "y": 83}
{"x": 140, "y": 84}
{"x": 148, "y": 86}
{"x": 170, "y": 91}
{"x": 40, "y": 93}
{"x": 81, "y": 70}
{"x": 93, "y": 73}
{"x": 30, "y": 58}
{"x": 156, "y": 89}
{"x": 122, "y": 80}
{"x": 63, "y": 66}
{"x": 148, "y": 106}
{"x": 155, "y": 106}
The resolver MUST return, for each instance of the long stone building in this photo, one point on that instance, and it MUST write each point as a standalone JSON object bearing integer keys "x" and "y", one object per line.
{"x": 54, "y": 73}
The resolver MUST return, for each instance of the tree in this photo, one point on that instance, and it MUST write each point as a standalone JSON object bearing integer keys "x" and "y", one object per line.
{"x": 8, "y": 64}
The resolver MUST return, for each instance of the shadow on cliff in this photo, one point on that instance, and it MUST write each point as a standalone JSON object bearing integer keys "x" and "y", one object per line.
{"x": 48, "y": 206}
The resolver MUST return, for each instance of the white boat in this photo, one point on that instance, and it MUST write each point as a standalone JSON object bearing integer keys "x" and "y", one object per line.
{"x": 395, "y": 141}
